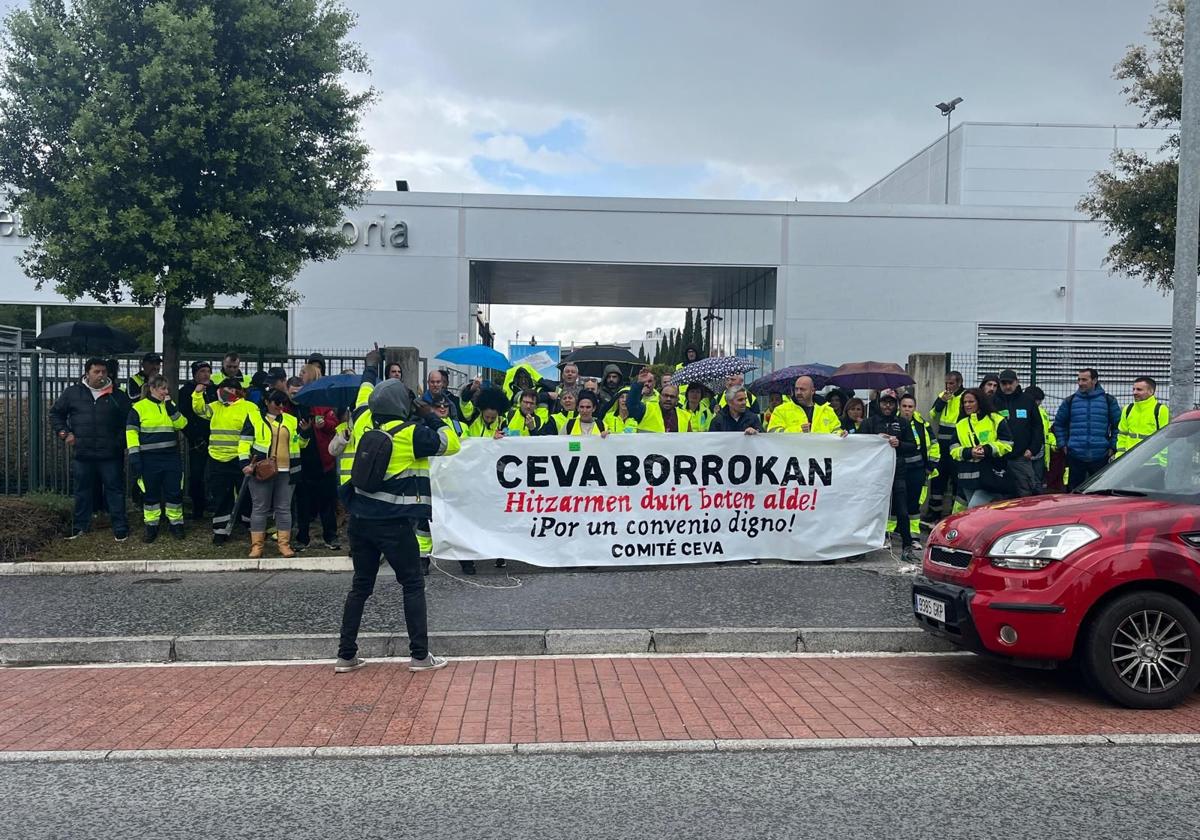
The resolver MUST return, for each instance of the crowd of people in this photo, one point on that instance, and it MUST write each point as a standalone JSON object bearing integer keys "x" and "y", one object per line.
{"x": 256, "y": 456}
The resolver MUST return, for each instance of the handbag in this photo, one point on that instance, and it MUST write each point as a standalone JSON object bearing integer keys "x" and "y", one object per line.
{"x": 994, "y": 476}
{"x": 265, "y": 468}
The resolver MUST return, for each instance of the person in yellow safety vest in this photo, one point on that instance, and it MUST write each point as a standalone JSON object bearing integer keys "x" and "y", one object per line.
{"x": 616, "y": 417}
{"x": 917, "y": 467}
{"x": 691, "y": 354}
{"x": 489, "y": 406}
{"x": 980, "y": 434}
{"x": 521, "y": 377}
{"x": 231, "y": 368}
{"x": 1142, "y": 417}
{"x": 803, "y": 415}
{"x": 227, "y": 416}
{"x": 662, "y": 416}
{"x": 522, "y": 419}
{"x": 737, "y": 380}
{"x": 585, "y": 422}
{"x": 946, "y": 412}
{"x": 699, "y": 405}
{"x": 645, "y": 379}
{"x": 155, "y": 461}
{"x": 443, "y": 407}
{"x": 567, "y": 398}
{"x": 271, "y": 435}
{"x": 151, "y": 367}
{"x": 382, "y": 518}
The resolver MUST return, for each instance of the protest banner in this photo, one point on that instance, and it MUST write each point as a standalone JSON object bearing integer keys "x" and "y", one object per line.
{"x": 651, "y": 499}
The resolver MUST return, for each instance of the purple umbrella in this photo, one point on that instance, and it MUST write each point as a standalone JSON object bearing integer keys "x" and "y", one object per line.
{"x": 870, "y": 375}
{"x": 783, "y": 381}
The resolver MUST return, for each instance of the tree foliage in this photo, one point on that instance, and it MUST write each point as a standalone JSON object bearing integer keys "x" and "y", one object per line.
{"x": 173, "y": 151}
{"x": 1136, "y": 201}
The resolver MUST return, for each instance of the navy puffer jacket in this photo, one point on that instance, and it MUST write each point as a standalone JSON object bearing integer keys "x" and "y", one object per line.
{"x": 1086, "y": 424}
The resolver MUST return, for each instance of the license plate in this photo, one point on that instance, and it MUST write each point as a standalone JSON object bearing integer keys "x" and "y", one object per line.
{"x": 931, "y": 607}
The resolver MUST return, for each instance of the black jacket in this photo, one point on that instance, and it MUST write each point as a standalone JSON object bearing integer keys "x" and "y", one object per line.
{"x": 197, "y": 428}
{"x": 893, "y": 426}
{"x": 98, "y": 424}
{"x": 723, "y": 421}
{"x": 1024, "y": 421}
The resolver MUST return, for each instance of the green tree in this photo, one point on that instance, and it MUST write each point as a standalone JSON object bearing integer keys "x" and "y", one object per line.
{"x": 658, "y": 352}
{"x": 642, "y": 354}
{"x": 1135, "y": 202}
{"x": 173, "y": 151}
{"x": 687, "y": 330}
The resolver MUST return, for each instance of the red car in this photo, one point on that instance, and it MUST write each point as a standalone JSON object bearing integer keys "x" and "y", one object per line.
{"x": 1108, "y": 576}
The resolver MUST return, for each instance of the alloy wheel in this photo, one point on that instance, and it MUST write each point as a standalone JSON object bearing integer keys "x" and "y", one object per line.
{"x": 1150, "y": 651}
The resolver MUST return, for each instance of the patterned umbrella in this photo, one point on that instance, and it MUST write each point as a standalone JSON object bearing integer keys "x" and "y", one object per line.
{"x": 710, "y": 370}
{"x": 870, "y": 375}
{"x": 783, "y": 381}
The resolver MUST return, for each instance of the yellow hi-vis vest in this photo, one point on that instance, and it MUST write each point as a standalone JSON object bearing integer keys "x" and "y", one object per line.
{"x": 151, "y": 427}
{"x": 789, "y": 416}
{"x": 225, "y": 425}
{"x": 1139, "y": 420}
{"x": 257, "y": 433}
{"x": 405, "y": 491}
{"x": 360, "y": 421}
{"x": 652, "y": 420}
{"x": 947, "y": 419}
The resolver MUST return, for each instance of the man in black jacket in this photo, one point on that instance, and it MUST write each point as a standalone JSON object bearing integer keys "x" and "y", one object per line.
{"x": 887, "y": 424}
{"x": 1029, "y": 435}
{"x": 197, "y": 432}
{"x": 89, "y": 417}
{"x": 735, "y": 416}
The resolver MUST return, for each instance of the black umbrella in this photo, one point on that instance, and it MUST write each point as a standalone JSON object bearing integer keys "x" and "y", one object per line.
{"x": 592, "y": 360}
{"x": 85, "y": 338}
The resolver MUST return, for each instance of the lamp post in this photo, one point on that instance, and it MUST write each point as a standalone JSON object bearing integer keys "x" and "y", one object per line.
{"x": 1187, "y": 224}
{"x": 947, "y": 108}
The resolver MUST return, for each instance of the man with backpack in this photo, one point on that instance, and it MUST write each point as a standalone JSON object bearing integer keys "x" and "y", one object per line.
{"x": 388, "y": 492}
{"x": 1085, "y": 427}
{"x": 1142, "y": 417}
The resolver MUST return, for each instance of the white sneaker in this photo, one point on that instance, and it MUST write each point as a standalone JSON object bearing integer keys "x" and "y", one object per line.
{"x": 916, "y": 545}
{"x": 429, "y": 663}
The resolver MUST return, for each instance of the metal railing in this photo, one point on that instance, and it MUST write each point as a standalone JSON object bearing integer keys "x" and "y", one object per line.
{"x": 33, "y": 459}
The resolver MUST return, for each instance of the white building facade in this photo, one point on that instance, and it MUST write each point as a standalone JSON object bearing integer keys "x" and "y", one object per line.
{"x": 1007, "y": 262}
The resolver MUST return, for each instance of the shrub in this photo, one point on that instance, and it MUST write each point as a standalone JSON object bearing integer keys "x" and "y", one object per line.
{"x": 30, "y": 523}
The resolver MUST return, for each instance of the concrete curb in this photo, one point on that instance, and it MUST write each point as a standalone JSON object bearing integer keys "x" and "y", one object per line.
{"x": 598, "y": 748}
{"x": 141, "y": 567}
{"x": 257, "y": 648}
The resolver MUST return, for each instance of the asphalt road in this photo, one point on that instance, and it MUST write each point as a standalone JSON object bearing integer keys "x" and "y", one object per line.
{"x": 1011, "y": 793}
{"x": 235, "y": 603}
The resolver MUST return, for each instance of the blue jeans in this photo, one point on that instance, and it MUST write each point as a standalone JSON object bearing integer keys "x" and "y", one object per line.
{"x": 108, "y": 472}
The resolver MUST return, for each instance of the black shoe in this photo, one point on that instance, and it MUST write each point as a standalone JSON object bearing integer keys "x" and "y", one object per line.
{"x": 501, "y": 563}
{"x": 468, "y": 567}
{"x": 151, "y": 534}
{"x": 220, "y": 539}
{"x": 121, "y": 536}
{"x": 300, "y": 546}
{"x": 334, "y": 545}
{"x": 178, "y": 531}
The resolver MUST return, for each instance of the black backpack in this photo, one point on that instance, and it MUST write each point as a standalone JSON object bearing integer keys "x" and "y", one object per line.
{"x": 371, "y": 458}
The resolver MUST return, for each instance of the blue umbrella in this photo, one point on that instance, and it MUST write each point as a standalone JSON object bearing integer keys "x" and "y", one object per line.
{"x": 709, "y": 370}
{"x": 783, "y": 380}
{"x": 337, "y": 392}
{"x": 478, "y": 355}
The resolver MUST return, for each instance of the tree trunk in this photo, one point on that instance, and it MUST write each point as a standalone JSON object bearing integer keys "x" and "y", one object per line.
{"x": 172, "y": 340}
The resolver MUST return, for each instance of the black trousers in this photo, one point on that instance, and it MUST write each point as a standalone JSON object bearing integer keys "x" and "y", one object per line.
{"x": 900, "y": 509}
{"x": 224, "y": 479}
{"x": 1081, "y": 471}
{"x": 197, "y": 485}
{"x": 317, "y": 497}
{"x": 395, "y": 540}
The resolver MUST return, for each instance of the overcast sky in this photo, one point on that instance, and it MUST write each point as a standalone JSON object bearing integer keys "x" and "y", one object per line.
{"x": 776, "y": 100}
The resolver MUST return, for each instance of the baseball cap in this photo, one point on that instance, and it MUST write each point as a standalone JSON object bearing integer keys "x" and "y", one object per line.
{"x": 152, "y": 357}
{"x": 1008, "y": 375}
{"x": 889, "y": 394}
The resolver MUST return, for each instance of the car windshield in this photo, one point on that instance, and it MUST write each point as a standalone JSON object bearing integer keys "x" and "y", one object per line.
{"x": 1165, "y": 465}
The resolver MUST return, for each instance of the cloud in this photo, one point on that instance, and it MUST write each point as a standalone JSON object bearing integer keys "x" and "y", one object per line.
{"x": 773, "y": 99}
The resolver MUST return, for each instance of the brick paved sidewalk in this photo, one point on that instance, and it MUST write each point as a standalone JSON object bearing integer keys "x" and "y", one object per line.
{"x": 544, "y": 699}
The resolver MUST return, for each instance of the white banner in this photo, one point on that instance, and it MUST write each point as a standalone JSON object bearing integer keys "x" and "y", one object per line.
{"x": 650, "y": 499}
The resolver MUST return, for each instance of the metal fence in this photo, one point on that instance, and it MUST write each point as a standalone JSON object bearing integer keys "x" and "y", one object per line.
{"x": 33, "y": 459}
{"x": 1054, "y": 371}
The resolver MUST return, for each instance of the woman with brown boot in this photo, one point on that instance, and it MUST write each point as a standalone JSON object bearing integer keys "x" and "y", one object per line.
{"x": 269, "y": 451}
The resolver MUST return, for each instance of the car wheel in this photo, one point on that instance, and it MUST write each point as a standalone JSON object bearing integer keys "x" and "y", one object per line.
{"x": 1141, "y": 650}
